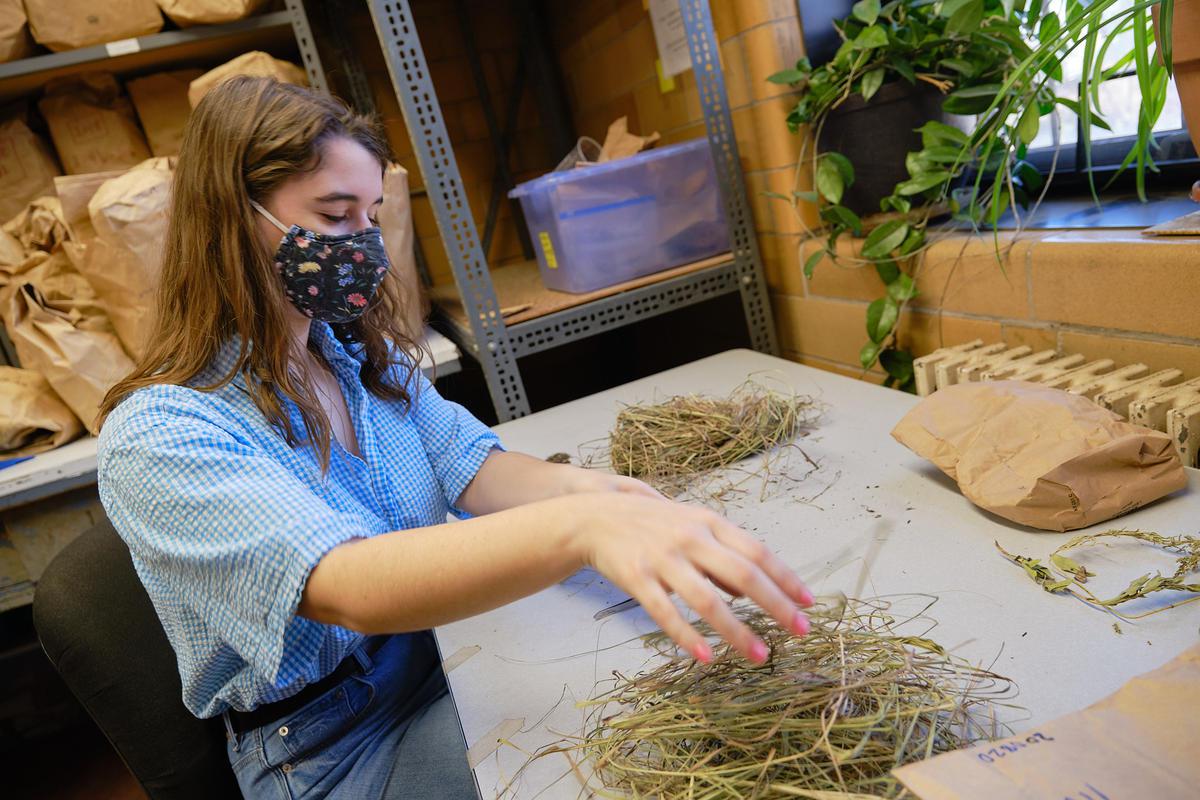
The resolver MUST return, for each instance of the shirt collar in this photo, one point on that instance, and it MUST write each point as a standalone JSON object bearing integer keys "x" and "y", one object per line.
{"x": 320, "y": 334}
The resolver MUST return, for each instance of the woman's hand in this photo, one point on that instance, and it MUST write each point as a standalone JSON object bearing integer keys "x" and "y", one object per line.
{"x": 650, "y": 546}
{"x": 576, "y": 480}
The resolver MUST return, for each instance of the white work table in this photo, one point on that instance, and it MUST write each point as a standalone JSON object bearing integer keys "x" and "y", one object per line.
{"x": 74, "y": 465}
{"x": 870, "y": 502}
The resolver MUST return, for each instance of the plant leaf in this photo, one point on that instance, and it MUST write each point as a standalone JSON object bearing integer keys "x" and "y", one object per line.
{"x": 787, "y": 76}
{"x": 966, "y": 19}
{"x": 811, "y": 262}
{"x": 887, "y": 271}
{"x": 1027, "y": 128}
{"x": 871, "y": 83}
{"x": 923, "y": 182}
{"x": 898, "y": 364}
{"x": 868, "y": 354}
{"x": 1072, "y": 568}
{"x": 972, "y": 100}
{"x": 901, "y": 289}
{"x": 844, "y": 217}
{"x": 844, "y": 167}
{"x": 939, "y": 133}
{"x": 871, "y": 37}
{"x": 884, "y": 239}
{"x": 829, "y": 181}
{"x": 881, "y": 318}
{"x": 866, "y": 10}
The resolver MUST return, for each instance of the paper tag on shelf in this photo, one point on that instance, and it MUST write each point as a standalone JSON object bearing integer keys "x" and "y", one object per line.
{"x": 670, "y": 37}
{"x": 122, "y": 47}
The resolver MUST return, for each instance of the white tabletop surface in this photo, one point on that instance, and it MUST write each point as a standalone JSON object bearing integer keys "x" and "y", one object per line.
{"x": 74, "y": 465}
{"x": 870, "y": 502}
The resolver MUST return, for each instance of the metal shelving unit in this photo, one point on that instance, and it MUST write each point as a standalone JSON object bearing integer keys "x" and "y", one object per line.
{"x": 166, "y": 48}
{"x": 496, "y": 345}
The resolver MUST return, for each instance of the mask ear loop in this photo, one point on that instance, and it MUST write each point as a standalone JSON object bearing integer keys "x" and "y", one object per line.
{"x": 270, "y": 217}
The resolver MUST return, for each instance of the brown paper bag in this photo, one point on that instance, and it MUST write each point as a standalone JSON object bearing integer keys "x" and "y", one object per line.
{"x": 620, "y": 143}
{"x": 27, "y": 167}
{"x": 15, "y": 41}
{"x": 396, "y": 223}
{"x": 254, "y": 63}
{"x": 208, "y": 12}
{"x": 1040, "y": 457}
{"x": 162, "y": 105}
{"x": 81, "y": 365}
{"x": 62, "y": 286}
{"x": 68, "y": 24}
{"x": 40, "y": 225}
{"x": 11, "y": 253}
{"x": 1139, "y": 742}
{"x": 32, "y": 417}
{"x": 124, "y": 262}
{"x": 74, "y": 194}
{"x": 92, "y": 124}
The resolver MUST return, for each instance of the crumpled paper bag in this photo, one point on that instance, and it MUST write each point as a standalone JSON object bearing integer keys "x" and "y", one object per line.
{"x": 70, "y": 24}
{"x": 80, "y": 364}
{"x": 40, "y": 225}
{"x": 1139, "y": 742}
{"x": 256, "y": 64}
{"x": 620, "y": 143}
{"x": 92, "y": 123}
{"x": 1040, "y": 457}
{"x": 15, "y": 41}
{"x": 208, "y": 12}
{"x": 123, "y": 262}
{"x": 32, "y": 417}
{"x": 74, "y": 194}
{"x": 396, "y": 223}
{"x": 162, "y": 106}
{"x": 62, "y": 286}
{"x": 27, "y": 167}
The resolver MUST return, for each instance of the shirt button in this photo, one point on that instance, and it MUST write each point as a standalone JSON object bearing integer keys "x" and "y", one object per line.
{"x": 286, "y": 767}
{"x": 283, "y": 731}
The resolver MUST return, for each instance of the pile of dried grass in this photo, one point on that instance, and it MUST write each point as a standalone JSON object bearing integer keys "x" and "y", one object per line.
{"x": 672, "y": 444}
{"x": 828, "y": 716}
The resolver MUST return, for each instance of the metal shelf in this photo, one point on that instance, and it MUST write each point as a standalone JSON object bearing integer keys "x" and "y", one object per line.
{"x": 266, "y": 31}
{"x": 484, "y": 331}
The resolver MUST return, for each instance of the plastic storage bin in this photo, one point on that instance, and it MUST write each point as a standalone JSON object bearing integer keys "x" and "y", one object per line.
{"x": 599, "y": 225}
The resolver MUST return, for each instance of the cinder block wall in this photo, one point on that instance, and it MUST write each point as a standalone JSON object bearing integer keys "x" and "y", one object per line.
{"x": 1110, "y": 294}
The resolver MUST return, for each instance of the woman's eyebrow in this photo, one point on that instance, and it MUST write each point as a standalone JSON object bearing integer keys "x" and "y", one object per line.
{"x": 334, "y": 197}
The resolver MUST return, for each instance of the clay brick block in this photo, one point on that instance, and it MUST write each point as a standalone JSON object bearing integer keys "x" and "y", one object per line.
{"x": 724, "y": 17}
{"x": 1036, "y": 338}
{"x": 749, "y": 144}
{"x": 846, "y": 370}
{"x": 778, "y": 146}
{"x": 829, "y": 329}
{"x": 1155, "y": 355}
{"x": 843, "y": 279}
{"x": 1118, "y": 279}
{"x": 769, "y": 49}
{"x": 923, "y": 333}
{"x": 756, "y": 12}
{"x": 781, "y": 263}
{"x": 962, "y": 273}
{"x": 761, "y": 206}
{"x": 737, "y": 72}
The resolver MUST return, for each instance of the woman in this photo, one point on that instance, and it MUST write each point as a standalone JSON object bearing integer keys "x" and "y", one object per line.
{"x": 282, "y": 474}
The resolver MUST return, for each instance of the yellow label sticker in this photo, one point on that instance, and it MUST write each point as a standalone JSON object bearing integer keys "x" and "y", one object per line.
{"x": 548, "y": 250}
{"x": 666, "y": 83}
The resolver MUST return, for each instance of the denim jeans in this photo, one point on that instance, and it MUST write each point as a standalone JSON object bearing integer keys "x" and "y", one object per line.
{"x": 390, "y": 731}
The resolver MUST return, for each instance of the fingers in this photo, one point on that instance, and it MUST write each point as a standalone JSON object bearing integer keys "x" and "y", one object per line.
{"x": 658, "y": 605}
{"x": 698, "y": 593}
{"x": 634, "y": 486}
{"x": 732, "y": 569}
{"x": 760, "y": 555}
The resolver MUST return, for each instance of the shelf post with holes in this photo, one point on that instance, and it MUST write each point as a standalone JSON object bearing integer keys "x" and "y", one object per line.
{"x": 396, "y": 28}
{"x": 308, "y": 47}
{"x": 710, "y": 80}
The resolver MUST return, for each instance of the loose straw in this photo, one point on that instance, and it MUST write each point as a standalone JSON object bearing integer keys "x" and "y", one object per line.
{"x": 672, "y": 444}
{"x": 829, "y": 715}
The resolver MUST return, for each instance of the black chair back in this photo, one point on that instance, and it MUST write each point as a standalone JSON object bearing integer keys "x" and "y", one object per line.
{"x": 99, "y": 630}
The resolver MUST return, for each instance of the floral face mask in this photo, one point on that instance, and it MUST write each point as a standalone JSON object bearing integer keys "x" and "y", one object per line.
{"x": 329, "y": 278}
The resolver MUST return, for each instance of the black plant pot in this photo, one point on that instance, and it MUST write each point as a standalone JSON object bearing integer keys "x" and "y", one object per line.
{"x": 877, "y": 135}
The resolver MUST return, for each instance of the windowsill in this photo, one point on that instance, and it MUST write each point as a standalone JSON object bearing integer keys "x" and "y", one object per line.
{"x": 1115, "y": 211}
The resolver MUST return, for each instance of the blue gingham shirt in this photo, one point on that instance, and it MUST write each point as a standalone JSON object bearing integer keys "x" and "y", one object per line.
{"x": 225, "y": 521}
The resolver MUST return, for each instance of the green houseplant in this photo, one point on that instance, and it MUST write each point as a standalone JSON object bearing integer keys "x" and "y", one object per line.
{"x": 997, "y": 63}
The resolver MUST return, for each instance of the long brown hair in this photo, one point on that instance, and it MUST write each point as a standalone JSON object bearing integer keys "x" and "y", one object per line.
{"x": 243, "y": 139}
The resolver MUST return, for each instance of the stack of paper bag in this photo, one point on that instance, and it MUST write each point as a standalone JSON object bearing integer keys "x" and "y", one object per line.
{"x": 27, "y": 167}
{"x": 254, "y": 64}
{"x": 69, "y": 24}
{"x": 208, "y": 12}
{"x": 15, "y": 41}
{"x": 162, "y": 105}
{"x": 92, "y": 124}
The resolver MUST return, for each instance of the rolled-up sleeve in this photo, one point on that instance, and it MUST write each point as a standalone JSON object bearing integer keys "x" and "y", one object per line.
{"x": 214, "y": 523}
{"x": 457, "y": 443}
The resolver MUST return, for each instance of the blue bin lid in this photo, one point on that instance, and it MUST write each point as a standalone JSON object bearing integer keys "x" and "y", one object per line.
{"x": 583, "y": 173}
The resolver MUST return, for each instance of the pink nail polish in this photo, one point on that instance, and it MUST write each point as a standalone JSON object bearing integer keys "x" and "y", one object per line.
{"x": 806, "y": 599}
{"x": 702, "y": 653}
{"x": 800, "y": 624}
{"x": 758, "y": 652}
